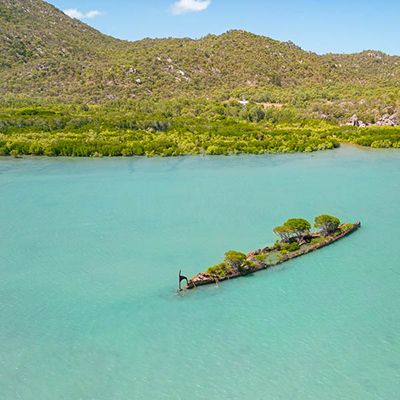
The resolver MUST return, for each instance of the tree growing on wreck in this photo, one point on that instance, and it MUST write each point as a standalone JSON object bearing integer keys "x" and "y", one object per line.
{"x": 220, "y": 270}
{"x": 283, "y": 232}
{"x": 234, "y": 258}
{"x": 327, "y": 224}
{"x": 293, "y": 229}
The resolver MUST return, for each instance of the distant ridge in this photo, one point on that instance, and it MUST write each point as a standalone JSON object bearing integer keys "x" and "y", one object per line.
{"x": 45, "y": 53}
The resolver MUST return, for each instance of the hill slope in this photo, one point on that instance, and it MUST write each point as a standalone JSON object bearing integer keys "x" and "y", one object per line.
{"x": 44, "y": 53}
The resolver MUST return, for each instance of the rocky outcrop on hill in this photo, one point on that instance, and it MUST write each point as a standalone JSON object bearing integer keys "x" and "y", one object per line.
{"x": 385, "y": 120}
{"x": 388, "y": 120}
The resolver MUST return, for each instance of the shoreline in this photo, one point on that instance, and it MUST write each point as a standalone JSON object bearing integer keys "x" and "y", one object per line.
{"x": 343, "y": 145}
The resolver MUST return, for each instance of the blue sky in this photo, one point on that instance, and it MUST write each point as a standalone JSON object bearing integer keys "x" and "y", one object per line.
{"x": 320, "y": 26}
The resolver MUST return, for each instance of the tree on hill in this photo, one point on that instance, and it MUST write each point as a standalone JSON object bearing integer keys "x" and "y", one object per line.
{"x": 69, "y": 61}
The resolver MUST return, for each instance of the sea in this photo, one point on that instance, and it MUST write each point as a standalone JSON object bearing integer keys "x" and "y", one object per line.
{"x": 90, "y": 251}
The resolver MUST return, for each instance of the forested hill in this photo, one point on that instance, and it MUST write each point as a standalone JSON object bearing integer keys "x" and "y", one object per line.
{"x": 44, "y": 53}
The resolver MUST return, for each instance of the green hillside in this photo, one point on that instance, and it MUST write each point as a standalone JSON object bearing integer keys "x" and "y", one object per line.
{"x": 47, "y": 54}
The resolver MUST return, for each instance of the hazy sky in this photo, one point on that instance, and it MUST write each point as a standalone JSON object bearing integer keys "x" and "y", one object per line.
{"x": 320, "y": 26}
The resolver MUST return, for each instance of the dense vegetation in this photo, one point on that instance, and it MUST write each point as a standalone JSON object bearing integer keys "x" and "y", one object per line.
{"x": 46, "y": 54}
{"x": 66, "y": 89}
{"x": 170, "y": 128}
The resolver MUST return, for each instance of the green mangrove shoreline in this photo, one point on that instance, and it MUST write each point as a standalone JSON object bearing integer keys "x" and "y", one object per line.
{"x": 175, "y": 128}
{"x": 317, "y": 241}
{"x": 20, "y": 155}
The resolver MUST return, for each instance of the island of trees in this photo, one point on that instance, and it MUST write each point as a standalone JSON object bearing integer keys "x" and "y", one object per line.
{"x": 295, "y": 239}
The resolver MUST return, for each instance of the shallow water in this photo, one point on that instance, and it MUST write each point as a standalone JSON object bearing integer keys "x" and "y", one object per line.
{"x": 89, "y": 255}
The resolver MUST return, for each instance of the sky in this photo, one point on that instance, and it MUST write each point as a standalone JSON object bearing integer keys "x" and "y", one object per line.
{"x": 337, "y": 26}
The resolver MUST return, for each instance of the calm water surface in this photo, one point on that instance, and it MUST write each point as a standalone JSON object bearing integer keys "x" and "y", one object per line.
{"x": 90, "y": 250}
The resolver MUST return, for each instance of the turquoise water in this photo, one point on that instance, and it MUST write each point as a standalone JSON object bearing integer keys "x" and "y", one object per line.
{"x": 89, "y": 255}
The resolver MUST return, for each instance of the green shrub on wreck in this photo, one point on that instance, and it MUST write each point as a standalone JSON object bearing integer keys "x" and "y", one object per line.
{"x": 234, "y": 258}
{"x": 345, "y": 227}
{"x": 261, "y": 257}
{"x": 220, "y": 270}
{"x": 247, "y": 267}
{"x": 317, "y": 240}
{"x": 293, "y": 246}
